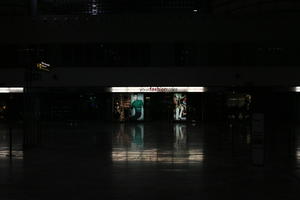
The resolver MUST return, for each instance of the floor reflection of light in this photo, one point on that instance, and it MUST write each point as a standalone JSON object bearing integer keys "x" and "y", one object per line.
{"x": 129, "y": 146}
{"x": 155, "y": 155}
{"x": 16, "y": 154}
{"x": 142, "y": 155}
{"x": 196, "y": 155}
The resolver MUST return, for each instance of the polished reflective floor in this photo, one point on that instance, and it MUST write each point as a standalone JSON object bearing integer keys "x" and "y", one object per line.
{"x": 150, "y": 161}
{"x": 141, "y": 144}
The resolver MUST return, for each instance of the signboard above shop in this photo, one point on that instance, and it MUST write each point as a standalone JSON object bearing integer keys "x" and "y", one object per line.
{"x": 155, "y": 89}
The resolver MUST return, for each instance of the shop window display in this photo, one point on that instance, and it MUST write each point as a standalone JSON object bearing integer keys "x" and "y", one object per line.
{"x": 128, "y": 107}
{"x": 180, "y": 107}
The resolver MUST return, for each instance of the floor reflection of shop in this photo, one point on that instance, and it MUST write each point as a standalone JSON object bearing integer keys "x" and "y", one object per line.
{"x": 17, "y": 142}
{"x": 240, "y": 133}
{"x": 183, "y": 152}
{"x": 135, "y": 143}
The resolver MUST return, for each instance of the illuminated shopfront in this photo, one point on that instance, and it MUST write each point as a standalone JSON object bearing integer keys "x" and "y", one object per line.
{"x": 135, "y": 103}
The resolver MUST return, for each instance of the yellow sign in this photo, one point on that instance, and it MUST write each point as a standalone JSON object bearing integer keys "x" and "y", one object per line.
{"x": 43, "y": 66}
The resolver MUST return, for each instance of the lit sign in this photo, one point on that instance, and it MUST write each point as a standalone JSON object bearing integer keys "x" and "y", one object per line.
{"x": 296, "y": 89}
{"x": 43, "y": 66}
{"x": 11, "y": 90}
{"x": 156, "y": 89}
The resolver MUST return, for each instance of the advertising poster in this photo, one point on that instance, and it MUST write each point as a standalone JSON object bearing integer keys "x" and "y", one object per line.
{"x": 137, "y": 107}
{"x": 128, "y": 107}
{"x": 180, "y": 107}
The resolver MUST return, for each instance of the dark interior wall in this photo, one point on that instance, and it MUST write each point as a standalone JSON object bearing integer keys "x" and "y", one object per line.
{"x": 211, "y": 107}
{"x": 276, "y": 106}
{"x": 147, "y": 28}
{"x": 176, "y": 54}
{"x": 75, "y": 105}
{"x": 172, "y": 76}
{"x": 296, "y": 106}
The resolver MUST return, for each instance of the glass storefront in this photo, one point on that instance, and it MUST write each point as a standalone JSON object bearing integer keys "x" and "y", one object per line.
{"x": 134, "y": 107}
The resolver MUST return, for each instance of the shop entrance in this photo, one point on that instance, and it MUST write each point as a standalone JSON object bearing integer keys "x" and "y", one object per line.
{"x": 159, "y": 107}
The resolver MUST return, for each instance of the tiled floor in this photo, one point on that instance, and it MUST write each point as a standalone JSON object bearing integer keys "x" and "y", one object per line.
{"x": 148, "y": 161}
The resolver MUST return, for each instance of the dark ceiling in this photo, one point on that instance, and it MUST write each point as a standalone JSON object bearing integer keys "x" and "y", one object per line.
{"x": 98, "y": 7}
